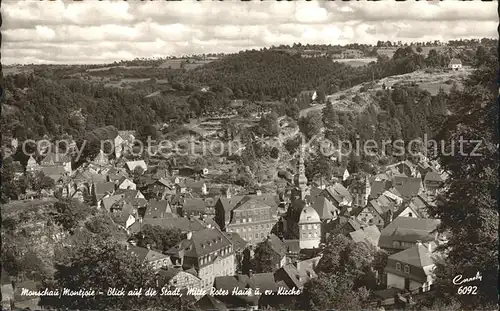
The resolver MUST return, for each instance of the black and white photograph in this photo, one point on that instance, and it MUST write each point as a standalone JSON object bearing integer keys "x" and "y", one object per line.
{"x": 249, "y": 155}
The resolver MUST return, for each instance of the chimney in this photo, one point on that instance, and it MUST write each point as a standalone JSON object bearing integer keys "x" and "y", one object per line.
{"x": 189, "y": 235}
{"x": 429, "y": 247}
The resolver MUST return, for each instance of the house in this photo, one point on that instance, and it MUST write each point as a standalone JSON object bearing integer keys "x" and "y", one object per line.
{"x": 208, "y": 251}
{"x": 32, "y": 165}
{"x": 194, "y": 208}
{"x": 195, "y": 186}
{"x": 101, "y": 159}
{"x": 303, "y": 223}
{"x": 132, "y": 165}
{"x": 265, "y": 282}
{"x": 455, "y": 64}
{"x": 376, "y": 212}
{"x": 208, "y": 302}
{"x": 340, "y": 174}
{"x": 278, "y": 247}
{"x": 239, "y": 244}
{"x": 126, "y": 215}
{"x": 158, "y": 209}
{"x": 126, "y": 183}
{"x": 179, "y": 278}
{"x": 100, "y": 190}
{"x": 404, "y": 232}
{"x": 338, "y": 195}
{"x": 56, "y": 172}
{"x": 413, "y": 268}
{"x": 145, "y": 254}
{"x": 293, "y": 277}
{"x": 360, "y": 190}
{"x": 432, "y": 182}
{"x": 325, "y": 209}
{"x": 378, "y": 187}
{"x": 369, "y": 235}
{"x": 408, "y": 187}
{"x": 307, "y": 96}
{"x": 108, "y": 202}
{"x": 57, "y": 159}
{"x": 252, "y": 219}
{"x": 225, "y": 205}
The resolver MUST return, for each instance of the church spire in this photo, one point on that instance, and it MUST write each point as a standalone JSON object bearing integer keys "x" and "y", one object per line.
{"x": 300, "y": 177}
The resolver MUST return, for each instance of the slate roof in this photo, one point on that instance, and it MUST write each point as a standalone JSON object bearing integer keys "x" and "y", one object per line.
{"x": 298, "y": 277}
{"x": 433, "y": 177}
{"x": 194, "y": 205}
{"x": 101, "y": 189}
{"x": 277, "y": 245}
{"x": 157, "y": 209}
{"x": 144, "y": 254}
{"x": 407, "y": 186}
{"x": 408, "y": 229}
{"x": 131, "y": 165}
{"x": 324, "y": 208}
{"x": 181, "y": 223}
{"x": 416, "y": 256}
{"x": 378, "y": 187}
{"x": 202, "y": 242}
{"x": 108, "y": 202}
{"x": 239, "y": 243}
{"x": 369, "y": 234}
{"x": 339, "y": 192}
{"x": 208, "y": 302}
{"x": 55, "y": 172}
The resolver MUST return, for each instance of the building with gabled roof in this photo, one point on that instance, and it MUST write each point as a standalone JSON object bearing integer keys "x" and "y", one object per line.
{"x": 252, "y": 219}
{"x": 102, "y": 189}
{"x": 368, "y": 235}
{"x": 158, "y": 209}
{"x": 325, "y": 209}
{"x": 57, "y": 159}
{"x": 404, "y": 232}
{"x": 132, "y": 165}
{"x": 455, "y": 64}
{"x": 146, "y": 255}
{"x": 413, "y": 268}
{"x": 208, "y": 251}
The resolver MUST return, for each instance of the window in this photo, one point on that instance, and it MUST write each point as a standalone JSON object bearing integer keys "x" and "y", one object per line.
{"x": 256, "y": 235}
{"x": 309, "y": 227}
{"x": 249, "y": 219}
{"x": 244, "y": 220}
{"x": 398, "y": 266}
{"x": 407, "y": 269}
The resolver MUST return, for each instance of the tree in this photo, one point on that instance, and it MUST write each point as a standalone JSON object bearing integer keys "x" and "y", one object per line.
{"x": 311, "y": 124}
{"x": 265, "y": 258}
{"x": 330, "y": 117}
{"x": 99, "y": 264}
{"x": 268, "y": 124}
{"x": 69, "y": 213}
{"x": 246, "y": 262}
{"x": 321, "y": 97}
{"x": 158, "y": 238}
{"x": 104, "y": 226}
{"x": 331, "y": 292}
{"x": 147, "y": 131}
{"x": 419, "y": 49}
{"x": 468, "y": 207}
{"x": 275, "y": 153}
{"x": 38, "y": 181}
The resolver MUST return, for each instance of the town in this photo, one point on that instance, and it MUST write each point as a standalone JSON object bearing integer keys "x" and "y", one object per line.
{"x": 207, "y": 180}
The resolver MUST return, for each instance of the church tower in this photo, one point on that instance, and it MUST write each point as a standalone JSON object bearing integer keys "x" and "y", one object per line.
{"x": 300, "y": 178}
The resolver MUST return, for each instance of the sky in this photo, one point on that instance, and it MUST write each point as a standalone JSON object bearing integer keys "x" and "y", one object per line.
{"x": 91, "y": 32}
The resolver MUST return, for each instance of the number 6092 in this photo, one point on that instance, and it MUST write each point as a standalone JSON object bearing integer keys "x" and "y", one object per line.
{"x": 467, "y": 290}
